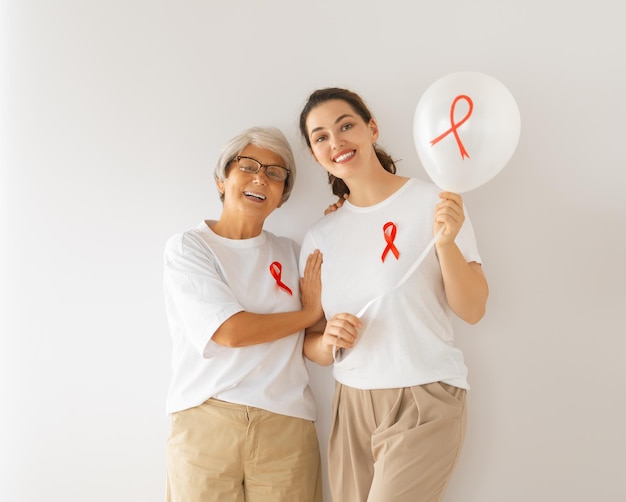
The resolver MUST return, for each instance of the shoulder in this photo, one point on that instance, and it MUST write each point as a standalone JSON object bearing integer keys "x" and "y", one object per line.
{"x": 328, "y": 224}
{"x": 185, "y": 242}
{"x": 281, "y": 242}
{"x": 427, "y": 188}
{"x": 416, "y": 194}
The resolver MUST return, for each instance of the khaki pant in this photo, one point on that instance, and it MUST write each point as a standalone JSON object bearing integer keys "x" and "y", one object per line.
{"x": 395, "y": 445}
{"x": 223, "y": 452}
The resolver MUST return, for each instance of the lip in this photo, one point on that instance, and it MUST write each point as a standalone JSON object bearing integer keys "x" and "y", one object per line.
{"x": 344, "y": 156}
{"x": 254, "y": 195}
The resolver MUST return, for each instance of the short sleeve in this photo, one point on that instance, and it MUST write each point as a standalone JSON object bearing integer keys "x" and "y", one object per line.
{"x": 466, "y": 241}
{"x": 198, "y": 300}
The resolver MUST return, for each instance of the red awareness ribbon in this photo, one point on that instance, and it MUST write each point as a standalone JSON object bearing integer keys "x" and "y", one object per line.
{"x": 276, "y": 269}
{"x": 389, "y": 230}
{"x": 455, "y": 126}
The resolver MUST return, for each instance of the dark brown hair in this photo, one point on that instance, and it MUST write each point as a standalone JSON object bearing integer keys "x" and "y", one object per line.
{"x": 358, "y": 105}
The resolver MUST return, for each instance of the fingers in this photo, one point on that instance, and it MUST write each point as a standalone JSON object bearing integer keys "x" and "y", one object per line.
{"x": 449, "y": 214}
{"x": 313, "y": 267}
{"x": 450, "y": 204}
{"x": 311, "y": 283}
{"x": 342, "y": 330}
{"x": 333, "y": 207}
{"x": 313, "y": 263}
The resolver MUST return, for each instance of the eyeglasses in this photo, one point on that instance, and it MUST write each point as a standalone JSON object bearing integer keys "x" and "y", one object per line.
{"x": 252, "y": 166}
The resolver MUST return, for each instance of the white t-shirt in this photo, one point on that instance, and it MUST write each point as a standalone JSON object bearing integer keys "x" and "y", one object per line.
{"x": 407, "y": 338}
{"x": 207, "y": 279}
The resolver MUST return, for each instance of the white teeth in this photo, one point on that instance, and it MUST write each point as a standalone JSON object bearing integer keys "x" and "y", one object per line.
{"x": 343, "y": 157}
{"x": 255, "y": 195}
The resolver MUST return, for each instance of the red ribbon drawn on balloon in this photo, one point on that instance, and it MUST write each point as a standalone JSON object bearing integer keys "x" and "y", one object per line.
{"x": 454, "y": 126}
{"x": 389, "y": 230}
{"x": 276, "y": 269}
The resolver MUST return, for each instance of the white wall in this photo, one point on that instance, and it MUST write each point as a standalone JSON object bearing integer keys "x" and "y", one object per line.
{"x": 112, "y": 115}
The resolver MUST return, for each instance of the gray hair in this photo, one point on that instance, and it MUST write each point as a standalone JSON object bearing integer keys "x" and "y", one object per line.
{"x": 269, "y": 138}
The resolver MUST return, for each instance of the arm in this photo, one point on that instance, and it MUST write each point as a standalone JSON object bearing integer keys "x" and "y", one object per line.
{"x": 247, "y": 328}
{"x": 341, "y": 331}
{"x": 465, "y": 283}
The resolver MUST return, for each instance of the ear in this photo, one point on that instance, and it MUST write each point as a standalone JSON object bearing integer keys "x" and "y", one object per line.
{"x": 373, "y": 125}
{"x": 220, "y": 186}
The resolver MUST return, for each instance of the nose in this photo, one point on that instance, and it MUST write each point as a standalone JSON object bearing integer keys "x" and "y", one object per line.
{"x": 335, "y": 141}
{"x": 260, "y": 177}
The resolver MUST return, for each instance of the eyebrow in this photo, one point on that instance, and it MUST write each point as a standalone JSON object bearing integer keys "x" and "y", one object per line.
{"x": 339, "y": 119}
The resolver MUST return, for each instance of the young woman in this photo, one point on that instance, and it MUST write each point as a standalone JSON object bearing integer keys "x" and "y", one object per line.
{"x": 241, "y": 408}
{"x": 399, "y": 406}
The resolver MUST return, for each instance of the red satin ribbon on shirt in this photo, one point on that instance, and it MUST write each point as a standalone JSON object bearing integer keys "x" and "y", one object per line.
{"x": 276, "y": 269}
{"x": 455, "y": 126}
{"x": 389, "y": 230}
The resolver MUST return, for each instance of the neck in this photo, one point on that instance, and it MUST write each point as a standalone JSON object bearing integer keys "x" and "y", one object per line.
{"x": 374, "y": 188}
{"x": 233, "y": 229}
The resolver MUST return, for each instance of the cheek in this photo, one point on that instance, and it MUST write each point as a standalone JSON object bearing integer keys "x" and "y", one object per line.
{"x": 318, "y": 152}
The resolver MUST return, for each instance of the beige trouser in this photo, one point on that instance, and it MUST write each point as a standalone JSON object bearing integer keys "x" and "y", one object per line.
{"x": 395, "y": 445}
{"x": 228, "y": 452}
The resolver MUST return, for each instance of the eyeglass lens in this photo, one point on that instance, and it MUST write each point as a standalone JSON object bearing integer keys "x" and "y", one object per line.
{"x": 253, "y": 166}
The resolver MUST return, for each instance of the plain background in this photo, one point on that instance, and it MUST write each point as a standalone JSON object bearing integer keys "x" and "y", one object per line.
{"x": 112, "y": 116}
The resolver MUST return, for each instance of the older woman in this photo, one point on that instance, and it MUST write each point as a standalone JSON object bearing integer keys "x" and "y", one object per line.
{"x": 241, "y": 409}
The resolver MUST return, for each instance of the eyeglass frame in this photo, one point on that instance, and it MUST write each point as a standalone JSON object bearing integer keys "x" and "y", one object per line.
{"x": 239, "y": 157}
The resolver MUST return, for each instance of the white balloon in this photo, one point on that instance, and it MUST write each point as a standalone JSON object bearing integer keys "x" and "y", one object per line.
{"x": 466, "y": 128}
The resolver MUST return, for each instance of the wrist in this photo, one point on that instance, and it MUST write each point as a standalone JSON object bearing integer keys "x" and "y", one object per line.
{"x": 325, "y": 349}
{"x": 443, "y": 244}
{"x": 312, "y": 314}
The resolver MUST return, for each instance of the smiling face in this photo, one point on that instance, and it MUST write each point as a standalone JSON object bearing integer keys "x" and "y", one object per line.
{"x": 250, "y": 198}
{"x": 341, "y": 141}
